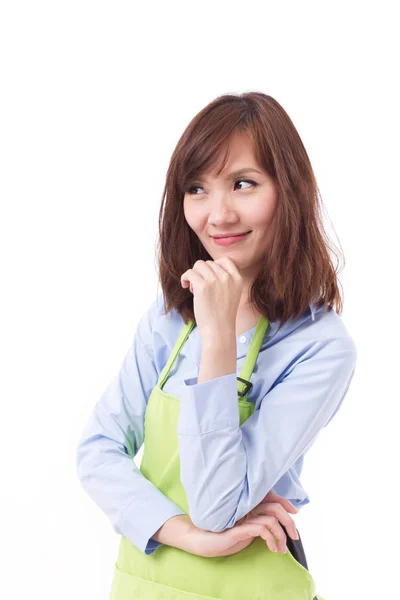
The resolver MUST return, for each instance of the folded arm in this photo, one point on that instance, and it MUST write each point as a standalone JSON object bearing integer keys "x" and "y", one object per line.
{"x": 226, "y": 469}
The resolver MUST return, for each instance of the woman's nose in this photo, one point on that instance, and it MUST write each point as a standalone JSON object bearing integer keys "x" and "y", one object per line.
{"x": 220, "y": 207}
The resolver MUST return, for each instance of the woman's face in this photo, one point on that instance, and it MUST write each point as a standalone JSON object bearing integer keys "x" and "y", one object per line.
{"x": 234, "y": 203}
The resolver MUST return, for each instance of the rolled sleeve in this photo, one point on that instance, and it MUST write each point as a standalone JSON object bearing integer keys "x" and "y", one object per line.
{"x": 208, "y": 406}
{"x": 154, "y": 512}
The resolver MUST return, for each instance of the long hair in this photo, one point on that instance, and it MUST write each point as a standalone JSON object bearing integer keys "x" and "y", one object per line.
{"x": 297, "y": 268}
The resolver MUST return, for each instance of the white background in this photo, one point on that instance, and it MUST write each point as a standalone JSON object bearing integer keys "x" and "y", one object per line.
{"x": 94, "y": 97}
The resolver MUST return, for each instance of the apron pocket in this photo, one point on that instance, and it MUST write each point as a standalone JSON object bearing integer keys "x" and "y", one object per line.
{"x": 129, "y": 587}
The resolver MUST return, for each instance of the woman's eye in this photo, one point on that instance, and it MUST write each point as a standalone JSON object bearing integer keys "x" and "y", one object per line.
{"x": 194, "y": 187}
{"x": 246, "y": 181}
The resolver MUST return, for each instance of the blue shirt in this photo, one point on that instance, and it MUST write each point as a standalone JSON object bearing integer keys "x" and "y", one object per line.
{"x": 299, "y": 381}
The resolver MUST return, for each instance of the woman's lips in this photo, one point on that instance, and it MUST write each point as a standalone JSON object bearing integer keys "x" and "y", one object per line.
{"x": 227, "y": 241}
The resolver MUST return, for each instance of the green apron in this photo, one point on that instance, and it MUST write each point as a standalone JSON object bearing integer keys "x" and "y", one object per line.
{"x": 169, "y": 573}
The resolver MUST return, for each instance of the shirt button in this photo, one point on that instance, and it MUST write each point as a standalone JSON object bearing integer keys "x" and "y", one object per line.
{"x": 243, "y": 339}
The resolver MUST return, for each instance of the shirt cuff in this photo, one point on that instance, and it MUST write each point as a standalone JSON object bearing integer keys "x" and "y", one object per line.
{"x": 208, "y": 406}
{"x": 138, "y": 529}
{"x": 299, "y": 503}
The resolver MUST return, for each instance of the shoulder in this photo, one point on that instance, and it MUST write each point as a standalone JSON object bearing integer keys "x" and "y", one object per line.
{"x": 317, "y": 354}
{"x": 314, "y": 330}
{"x": 318, "y": 341}
{"x": 328, "y": 326}
{"x": 149, "y": 319}
{"x": 169, "y": 323}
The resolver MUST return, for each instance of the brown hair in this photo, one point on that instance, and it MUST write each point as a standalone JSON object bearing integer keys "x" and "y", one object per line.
{"x": 297, "y": 268}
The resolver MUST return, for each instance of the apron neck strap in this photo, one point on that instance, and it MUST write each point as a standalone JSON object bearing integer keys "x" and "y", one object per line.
{"x": 244, "y": 385}
{"x": 251, "y": 358}
{"x": 184, "y": 334}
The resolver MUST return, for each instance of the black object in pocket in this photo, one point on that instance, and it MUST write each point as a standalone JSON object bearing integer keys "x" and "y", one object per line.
{"x": 295, "y": 547}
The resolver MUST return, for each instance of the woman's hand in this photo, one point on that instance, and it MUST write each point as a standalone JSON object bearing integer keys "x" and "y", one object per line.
{"x": 217, "y": 287}
{"x": 263, "y": 521}
{"x": 276, "y": 509}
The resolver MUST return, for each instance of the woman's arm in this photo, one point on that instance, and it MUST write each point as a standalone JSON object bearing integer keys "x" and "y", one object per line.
{"x": 265, "y": 520}
{"x": 235, "y": 466}
{"x": 180, "y": 532}
{"x": 111, "y": 439}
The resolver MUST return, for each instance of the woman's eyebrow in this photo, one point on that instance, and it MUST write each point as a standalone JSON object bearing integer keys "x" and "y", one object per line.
{"x": 235, "y": 174}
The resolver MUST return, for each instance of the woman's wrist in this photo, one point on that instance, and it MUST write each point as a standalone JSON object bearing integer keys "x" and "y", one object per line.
{"x": 176, "y": 532}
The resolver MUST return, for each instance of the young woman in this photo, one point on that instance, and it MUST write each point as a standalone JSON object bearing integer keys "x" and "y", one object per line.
{"x": 233, "y": 371}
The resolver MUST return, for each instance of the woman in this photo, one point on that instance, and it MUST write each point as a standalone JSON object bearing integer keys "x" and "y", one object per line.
{"x": 233, "y": 371}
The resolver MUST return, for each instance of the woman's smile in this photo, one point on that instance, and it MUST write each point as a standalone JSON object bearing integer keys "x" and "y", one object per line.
{"x": 227, "y": 241}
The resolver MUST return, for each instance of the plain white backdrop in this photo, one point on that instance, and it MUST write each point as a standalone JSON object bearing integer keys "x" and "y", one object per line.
{"x": 94, "y": 97}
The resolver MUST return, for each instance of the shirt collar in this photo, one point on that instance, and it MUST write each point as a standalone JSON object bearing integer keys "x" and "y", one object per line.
{"x": 271, "y": 331}
{"x": 312, "y": 310}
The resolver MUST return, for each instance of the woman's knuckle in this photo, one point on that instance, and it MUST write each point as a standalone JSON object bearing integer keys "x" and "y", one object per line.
{"x": 282, "y": 536}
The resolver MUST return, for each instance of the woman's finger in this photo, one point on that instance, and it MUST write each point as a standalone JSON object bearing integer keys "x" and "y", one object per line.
{"x": 200, "y": 273}
{"x": 219, "y": 270}
{"x": 273, "y": 527}
{"x": 275, "y": 509}
{"x": 254, "y": 529}
{"x": 274, "y": 497}
{"x": 191, "y": 277}
{"x": 230, "y": 266}
{"x": 287, "y": 505}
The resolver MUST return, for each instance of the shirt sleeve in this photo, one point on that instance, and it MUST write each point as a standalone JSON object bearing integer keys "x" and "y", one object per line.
{"x": 113, "y": 436}
{"x": 227, "y": 469}
{"x": 289, "y": 485}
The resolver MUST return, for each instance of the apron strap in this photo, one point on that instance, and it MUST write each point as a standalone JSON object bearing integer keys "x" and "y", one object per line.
{"x": 244, "y": 385}
{"x": 177, "y": 348}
